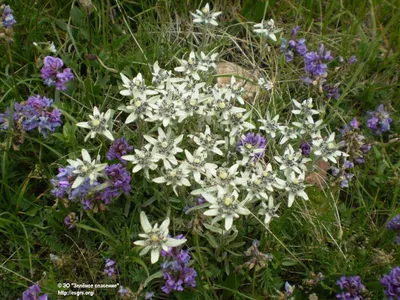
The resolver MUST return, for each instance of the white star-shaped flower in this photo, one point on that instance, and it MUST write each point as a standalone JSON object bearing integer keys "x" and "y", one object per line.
{"x": 98, "y": 124}
{"x": 266, "y": 28}
{"x": 225, "y": 206}
{"x": 295, "y": 187}
{"x": 155, "y": 238}
{"x": 204, "y": 16}
{"x": 175, "y": 177}
{"x": 269, "y": 211}
{"x": 327, "y": 150}
{"x": 305, "y": 108}
{"x": 142, "y": 159}
{"x": 86, "y": 168}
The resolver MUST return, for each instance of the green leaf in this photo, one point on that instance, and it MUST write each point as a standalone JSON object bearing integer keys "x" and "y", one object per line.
{"x": 158, "y": 274}
{"x": 211, "y": 240}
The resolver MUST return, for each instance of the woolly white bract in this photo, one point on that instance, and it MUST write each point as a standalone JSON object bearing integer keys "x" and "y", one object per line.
{"x": 98, "y": 124}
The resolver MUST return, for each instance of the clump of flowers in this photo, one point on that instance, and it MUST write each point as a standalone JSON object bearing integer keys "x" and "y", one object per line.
{"x": 293, "y": 46}
{"x": 33, "y": 293}
{"x": 119, "y": 148}
{"x": 93, "y": 183}
{"x": 177, "y": 273}
{"x": 54, "y": 74}
{"x": 109, "y": 268}
{"x": 392, "y": 284}
{"x": 352, "y": 288}
{"x": 379, "y": 120}
{"x": 354, "y": 144}
{"x": 394, "y": 224}
{"x": 36, "y": 113}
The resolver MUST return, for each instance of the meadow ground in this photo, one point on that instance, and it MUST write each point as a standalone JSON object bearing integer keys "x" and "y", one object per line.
{"x": 71, "y": 208}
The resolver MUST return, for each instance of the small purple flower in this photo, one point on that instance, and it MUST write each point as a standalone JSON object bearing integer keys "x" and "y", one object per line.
{"x": 119, "y": 148}
{"x": 344, "y": 183}
{"x": 32, "y": 293}
{"x": 348, "y": 164}
{"x": 379, "y": 120}
{"x": 4, "y": 120}
{"x": 252, "y": 145}
{"x": 120, "y": 180}
{"x": 293, "y": 46}
{"x": 315, "y": 65}
{"x": 354, "y": 123}
{"x": 53, "y": 75}
{"x": 305, "y": 148}
{"x": 365, "y": 148}
{"x": 352, "y": 60}
{"x": 351, "y": 288}
{"x": 391, "y": 282}
{"x": 8, "y": 18}
{"x": 200, "y": 200}
{"x": 394, "y": 223}
{"x": 332, "y": 92}
{"x": 109, "y": 267}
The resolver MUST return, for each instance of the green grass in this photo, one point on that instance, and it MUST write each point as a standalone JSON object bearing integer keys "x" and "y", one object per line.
{"x": 337, "y": 232}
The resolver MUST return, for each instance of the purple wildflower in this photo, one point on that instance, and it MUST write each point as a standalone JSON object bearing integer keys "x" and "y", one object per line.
{"x": 391, "y": 282}
{"x": 37, "y": 112}
{"x": 351, "y": 288}
{"x": 348, "y": 164}
{"x": 379, "y": 120}
{"x": 332, "y": 92}
{"x": 109, "y": 268}
{"x": 53, "y": 75}
{"x": 120, "y": 180}
{"x": 305, "y": 148}
{"x": 4, "y": 120}
{"x": 394, "y": 223}
{"x": 352, "y": 60}
{"x": 354, "y": 123}
{"x": 119, "y": 148}
{"x": 294, "y": 46}
{"x": 315, "y": 64}
{"x": 252, "y": 145}
{"x": 200, "y": 200}
{"x": 32, "y": 293}
{"x": 8, "y": 18}
{"x": 177, "y": 273}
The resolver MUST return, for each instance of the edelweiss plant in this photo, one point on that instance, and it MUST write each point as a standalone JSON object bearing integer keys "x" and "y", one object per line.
{"x": 98, "y": 124}
{"x": 156, "y": 238}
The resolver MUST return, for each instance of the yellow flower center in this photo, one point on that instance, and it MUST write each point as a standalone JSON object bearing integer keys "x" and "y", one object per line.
{"x": 228, "y": 201}
{"x": 154, "y": 238}
{"x": 331, "y": 145}
{"x": 138, "y": 103}
{"x": 84, "y": 169}
{"x": 239, "y": 115}
{"x": 164, "y": 144}
{"x": 95, "y": 122}
{"x": 192, "y": 102}
{"x": 221, "y": 105}
{"x": 223, "y": 175}
{"x": 257, "y": 182}
{"x": 172, "y": 173}
{"x": 248, "y": 146}
{"x": 196, "y": 161}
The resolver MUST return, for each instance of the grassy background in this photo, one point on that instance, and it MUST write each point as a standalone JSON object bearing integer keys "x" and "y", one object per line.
{"x": 335, "y": 237}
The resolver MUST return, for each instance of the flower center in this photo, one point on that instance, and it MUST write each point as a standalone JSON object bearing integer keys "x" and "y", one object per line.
{"x": 223, "y": 175}
{"x": 228, "y": 201}
{"x": 138, "y": 103}
{"x": 164, "y": 144}
{"x": 154, "y": 238}
{"x": 95, "y": 122}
